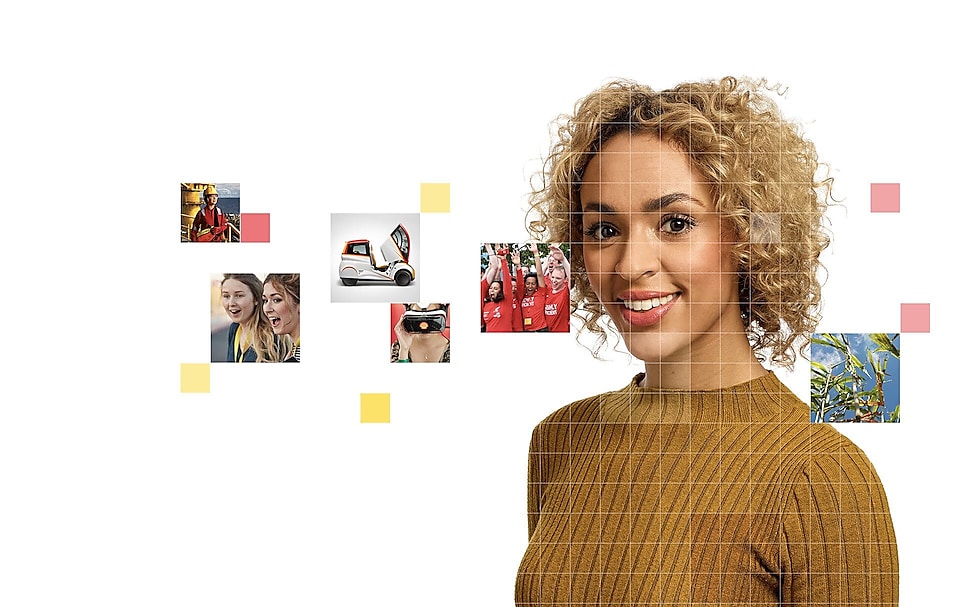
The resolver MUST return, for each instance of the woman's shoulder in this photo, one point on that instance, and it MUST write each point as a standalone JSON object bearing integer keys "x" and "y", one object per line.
{"x": 818, "y": 451}
{"x": 586, "y": 411}
{"x": 812, "y": 438}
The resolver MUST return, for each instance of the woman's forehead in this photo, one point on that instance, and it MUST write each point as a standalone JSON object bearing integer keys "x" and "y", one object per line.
{"x": 232, "y": 284}
{"x": 639, "y": 158}
{"x": 636, "y": 170}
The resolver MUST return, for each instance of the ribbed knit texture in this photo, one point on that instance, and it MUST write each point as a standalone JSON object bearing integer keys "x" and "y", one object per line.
{"x": 725, "y": 497}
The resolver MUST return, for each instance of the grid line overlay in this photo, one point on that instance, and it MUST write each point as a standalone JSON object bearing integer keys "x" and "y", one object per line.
{"x": 646, "y": 497}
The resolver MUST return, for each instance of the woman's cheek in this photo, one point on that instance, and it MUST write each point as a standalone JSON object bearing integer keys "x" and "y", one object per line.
{"x": 594, "y": 273}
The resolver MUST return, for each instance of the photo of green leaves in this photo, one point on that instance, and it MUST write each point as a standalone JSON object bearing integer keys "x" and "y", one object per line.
{"x": 855, "y": 377}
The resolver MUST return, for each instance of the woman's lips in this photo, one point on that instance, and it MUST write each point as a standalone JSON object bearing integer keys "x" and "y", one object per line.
{"x": 645, "y": 309}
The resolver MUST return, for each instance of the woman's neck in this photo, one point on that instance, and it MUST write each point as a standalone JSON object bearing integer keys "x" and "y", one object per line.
{"x": 700, "y": 376}
{"x": 428, "y": 340}
{"x": 738, "y": 364}
{"x": 427, "y": 346}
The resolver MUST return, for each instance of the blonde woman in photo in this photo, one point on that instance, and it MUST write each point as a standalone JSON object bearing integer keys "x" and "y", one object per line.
{"x": 250, "y": 337}
{"x": 281, "y": 305}
{"x": 696, "y": 215}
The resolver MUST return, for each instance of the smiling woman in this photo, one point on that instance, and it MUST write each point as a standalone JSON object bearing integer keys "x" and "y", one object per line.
{"x": 661, "y": 259}
{"x": 281, "y": 305}
{"x": 249, "y": 338}
{"x": 696, "y": 216}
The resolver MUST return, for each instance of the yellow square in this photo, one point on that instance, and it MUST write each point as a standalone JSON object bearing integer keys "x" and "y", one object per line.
{"x": 434, "y": 197}
{"x": 374, "y": 408}
{"x": 195, "y": 377}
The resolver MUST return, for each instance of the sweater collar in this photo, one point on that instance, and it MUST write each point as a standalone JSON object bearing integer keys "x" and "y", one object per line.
{"x": 762, "y": 399}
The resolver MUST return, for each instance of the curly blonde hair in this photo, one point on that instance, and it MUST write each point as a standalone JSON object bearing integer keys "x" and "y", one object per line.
{"x": 765, "y": 178}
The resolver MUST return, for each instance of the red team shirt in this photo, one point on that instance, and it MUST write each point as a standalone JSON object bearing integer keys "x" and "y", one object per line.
{"x": 531, "y": 306}
{"x": 556, "y": 310}
{"x": 498, "y": 316}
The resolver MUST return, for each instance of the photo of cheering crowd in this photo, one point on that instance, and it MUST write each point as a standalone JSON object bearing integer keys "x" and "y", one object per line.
{"x": 525, "y": 288}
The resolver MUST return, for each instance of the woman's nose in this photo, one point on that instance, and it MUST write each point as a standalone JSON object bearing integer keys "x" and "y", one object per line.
{"x": 639, "y": 256}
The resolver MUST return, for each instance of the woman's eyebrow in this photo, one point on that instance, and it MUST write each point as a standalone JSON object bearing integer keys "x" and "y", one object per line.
{"x": 654, "y": 204}
{"x": 668, "y": 199}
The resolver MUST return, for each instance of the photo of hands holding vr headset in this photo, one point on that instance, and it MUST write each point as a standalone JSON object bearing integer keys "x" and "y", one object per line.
{"x": 421, "y": 333}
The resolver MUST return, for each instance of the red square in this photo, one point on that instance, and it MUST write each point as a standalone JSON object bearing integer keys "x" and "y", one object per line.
{"x": 254, "y": 227}
{"x": 915, "y": 318}
{"x": 884, "y": 197}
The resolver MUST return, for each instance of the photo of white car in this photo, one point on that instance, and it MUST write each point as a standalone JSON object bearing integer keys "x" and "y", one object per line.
{"x": 358, "y": 262}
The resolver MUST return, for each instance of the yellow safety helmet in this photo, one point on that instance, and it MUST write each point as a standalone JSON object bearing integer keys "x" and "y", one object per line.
{"x": 210, "y": 190}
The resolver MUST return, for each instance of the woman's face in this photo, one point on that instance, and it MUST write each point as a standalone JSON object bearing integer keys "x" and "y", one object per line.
{"x": 494, "y": 290}
{"x": 557, "y": 278}
{"x": 657, "y": 253}
{"x": 282, "y": 312}
{"x": 237, "y": 300}
{"x": 530, "y": 285}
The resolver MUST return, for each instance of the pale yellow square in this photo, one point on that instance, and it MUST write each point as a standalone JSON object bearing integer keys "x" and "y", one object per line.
{"x": 195, "y": 377}
{"x": 434, "y": 197}
{"x": 374, "y": 408}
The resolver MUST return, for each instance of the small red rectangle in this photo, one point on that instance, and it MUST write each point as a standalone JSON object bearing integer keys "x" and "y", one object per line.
{"x": 884, "y": 197}
{"x": 255, "y": 227}
{"x": 915, "y": 318}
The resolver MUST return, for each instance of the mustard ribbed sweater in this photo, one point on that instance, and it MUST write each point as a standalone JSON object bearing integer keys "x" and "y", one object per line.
{"x": 726, "y": 497}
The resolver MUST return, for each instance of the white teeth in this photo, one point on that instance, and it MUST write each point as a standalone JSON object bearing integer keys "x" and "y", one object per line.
{"x": 643, "y": 305}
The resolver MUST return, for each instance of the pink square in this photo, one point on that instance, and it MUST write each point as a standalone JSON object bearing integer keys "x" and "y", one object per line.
{"x": 254, "y": 227}
{"x": 915, "y": 318}
{"x": 884, "y": 197}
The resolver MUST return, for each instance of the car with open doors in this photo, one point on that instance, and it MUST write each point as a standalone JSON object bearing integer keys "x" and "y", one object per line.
{"x": 359, "y": 263}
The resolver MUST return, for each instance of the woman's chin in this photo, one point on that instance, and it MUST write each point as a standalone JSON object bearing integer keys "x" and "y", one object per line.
{"x": 655, "y": 347}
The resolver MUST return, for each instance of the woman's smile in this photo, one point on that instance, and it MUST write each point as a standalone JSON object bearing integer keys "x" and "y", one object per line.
{"x": 645, "y": 309}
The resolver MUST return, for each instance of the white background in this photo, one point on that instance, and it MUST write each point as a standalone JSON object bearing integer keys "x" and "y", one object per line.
{"x": 115, "y": 489}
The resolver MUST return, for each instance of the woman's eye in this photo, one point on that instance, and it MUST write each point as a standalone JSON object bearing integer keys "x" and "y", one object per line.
{"x": 677, "y": 224}
{"x": 601, "y": 231}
